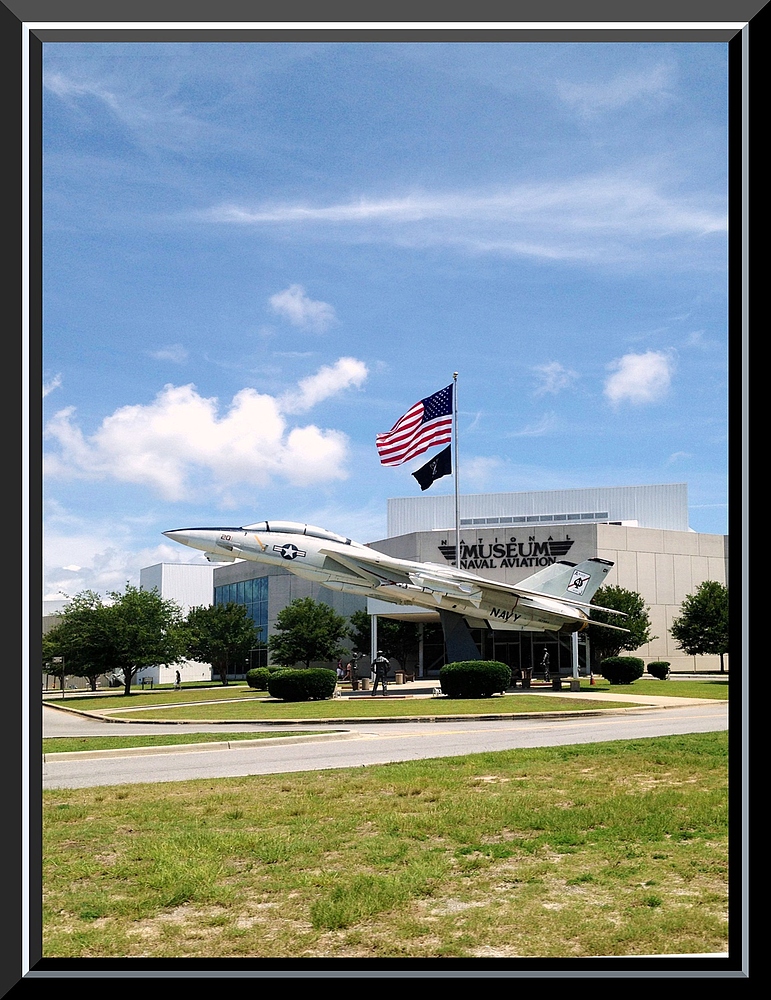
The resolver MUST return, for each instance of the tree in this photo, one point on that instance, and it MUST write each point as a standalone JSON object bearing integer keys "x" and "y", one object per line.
{"x": 131, "y": 630}
{"x": 606, "y": 642}
{"x": 145, "y": 630}
{"x": 82, "y": 638}
{"x": 220, "y": 634}
{"x": 398, "y": 639}
{"x": 702, "y": 628}
{"x": 306, "y": 631}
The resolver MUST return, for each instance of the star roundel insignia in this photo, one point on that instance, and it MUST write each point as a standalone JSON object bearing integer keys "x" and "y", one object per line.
{"x": 289, "y": 551}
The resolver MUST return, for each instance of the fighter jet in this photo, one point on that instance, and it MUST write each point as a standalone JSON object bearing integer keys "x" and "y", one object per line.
{"x": 555, "y": 598}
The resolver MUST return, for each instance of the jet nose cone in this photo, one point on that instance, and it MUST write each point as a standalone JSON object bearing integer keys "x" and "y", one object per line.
{"x": 185, "y": 536}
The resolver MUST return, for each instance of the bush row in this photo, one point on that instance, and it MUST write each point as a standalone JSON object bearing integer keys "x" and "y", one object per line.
{"x": 258, "y": 677}
{"x": 464, "y": 679}
{"x": 621, "y": 669}
{"x": 310, "y": 684}
{"x": 474, "y": 678}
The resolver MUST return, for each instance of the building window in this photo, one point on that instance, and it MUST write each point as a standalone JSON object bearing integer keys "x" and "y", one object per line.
{"x": 253, "y": 594}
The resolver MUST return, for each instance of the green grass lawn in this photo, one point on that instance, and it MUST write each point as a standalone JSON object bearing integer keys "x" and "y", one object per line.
{"x": 243, "y": 704}
{"x": 70, "y": 744}
{"x": 717, "y": 689}
{"x": 265, "y": 710}
{"x": 158, "y": 696}
{"x": 603, "y": 849}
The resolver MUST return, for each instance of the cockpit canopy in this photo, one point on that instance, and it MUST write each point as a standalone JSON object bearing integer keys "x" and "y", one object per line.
{"x": 295, "y": 528}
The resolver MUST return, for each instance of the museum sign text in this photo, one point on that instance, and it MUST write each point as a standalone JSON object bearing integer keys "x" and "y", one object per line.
{"x": 509, "y": 553}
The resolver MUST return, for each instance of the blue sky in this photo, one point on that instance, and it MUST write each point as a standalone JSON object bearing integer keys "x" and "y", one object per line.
{"x": 258, "y": 256}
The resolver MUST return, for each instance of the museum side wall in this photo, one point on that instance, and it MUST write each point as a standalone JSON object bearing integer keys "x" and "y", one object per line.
{"x": 664, "y": 567}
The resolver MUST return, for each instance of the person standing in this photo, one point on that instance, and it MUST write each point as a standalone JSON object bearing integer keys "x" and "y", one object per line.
{"x": 545, "y": 666}
{"x": 380, "y": 666}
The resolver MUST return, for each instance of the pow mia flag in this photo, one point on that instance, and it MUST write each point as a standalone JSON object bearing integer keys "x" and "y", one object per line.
{"x": 439, "y": 466}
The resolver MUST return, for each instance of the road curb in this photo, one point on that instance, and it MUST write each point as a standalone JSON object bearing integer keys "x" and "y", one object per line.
{"x": 50, "y": 758}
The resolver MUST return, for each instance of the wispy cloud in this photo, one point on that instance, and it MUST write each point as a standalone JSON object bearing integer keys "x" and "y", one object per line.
{"x": 181, "y": 444}
{"x": 609, "y": 217}
{"x": 54, "y": 383}
{"x": 545, "y": 425}
{"x": 698, "y": 340}
{"x": 598, "y": 96}
{"x": 554, "y": 377}
{"x": 620, "y": 200}
{"x": 69, "y": 89}
{"x": 639, "y": 378}
{"x": 152, "y": 118}
{"x": 481, "y": 471}
{"x": 174, "y": 352}
{"x": 678, "y": 456}
{"x": 302, "y": 311}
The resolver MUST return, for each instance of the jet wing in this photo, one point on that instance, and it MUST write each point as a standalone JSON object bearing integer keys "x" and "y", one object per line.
{"x": 372, "y": 572}
{"x": 378, "y": 568}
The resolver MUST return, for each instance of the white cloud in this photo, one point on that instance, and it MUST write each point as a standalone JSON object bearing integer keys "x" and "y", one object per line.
{"x": 554, "y": 377}
{"x": 328, "y": 381}
{"x": 183, "y": 444}
{"x": 54, "y": 383}
{"x": 293, "y": 304}
{"x": 105, "y": 563}
{"x": 639, "y": 378}
{"x": 174, "y": 352}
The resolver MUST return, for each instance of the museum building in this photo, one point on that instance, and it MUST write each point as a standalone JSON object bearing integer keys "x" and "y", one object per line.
{"x": 642, "y": 530}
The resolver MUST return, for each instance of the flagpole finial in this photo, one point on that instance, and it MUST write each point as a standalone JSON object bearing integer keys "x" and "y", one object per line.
{"x": 454, "y": 374}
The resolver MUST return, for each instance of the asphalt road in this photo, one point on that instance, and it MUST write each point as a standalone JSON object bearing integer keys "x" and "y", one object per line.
{"x": 361, "y": 744}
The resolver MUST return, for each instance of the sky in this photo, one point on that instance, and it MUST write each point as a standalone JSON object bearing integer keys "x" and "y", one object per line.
{"x": 258, "y": 256}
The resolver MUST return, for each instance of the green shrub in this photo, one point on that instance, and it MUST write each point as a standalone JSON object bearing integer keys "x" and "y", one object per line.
{"x": 310, "y": 684}
{"x": 474, "y": 678}
{"x": 621, "y": 669}
{"x": 257, "y": 678}
{"x": 659, "y": 668}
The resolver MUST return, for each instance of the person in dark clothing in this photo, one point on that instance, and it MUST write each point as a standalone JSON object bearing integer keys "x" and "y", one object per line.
{"x": 380, "y": 666}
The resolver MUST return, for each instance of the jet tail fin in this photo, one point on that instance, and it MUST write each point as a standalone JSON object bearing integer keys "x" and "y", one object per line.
{"x": 566, "y": 580}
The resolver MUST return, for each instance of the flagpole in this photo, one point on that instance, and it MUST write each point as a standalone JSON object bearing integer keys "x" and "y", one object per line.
{"x": 455, "y": 439}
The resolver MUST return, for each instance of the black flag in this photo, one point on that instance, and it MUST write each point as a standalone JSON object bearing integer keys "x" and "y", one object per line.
{"x": 439, "y": 466}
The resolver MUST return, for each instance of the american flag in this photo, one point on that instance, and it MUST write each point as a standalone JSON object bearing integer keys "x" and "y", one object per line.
{"x": 424, "y": 425}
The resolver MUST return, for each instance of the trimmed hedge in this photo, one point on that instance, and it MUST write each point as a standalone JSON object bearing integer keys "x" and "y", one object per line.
{"x": 621, "y": 669}
{"x": 659, "y": 668}
{"x": 474, "y": 678}
{"x": 311, "y": 684}
{"x": 257, "y": 678}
